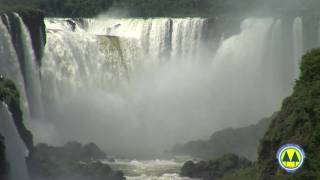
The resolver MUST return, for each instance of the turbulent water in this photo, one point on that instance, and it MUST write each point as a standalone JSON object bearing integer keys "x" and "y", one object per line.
{"x": 149, "y": 170}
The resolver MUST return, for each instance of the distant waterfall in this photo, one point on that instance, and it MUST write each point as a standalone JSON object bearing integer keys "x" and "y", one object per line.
{"x": 107, "y": 51}
{"x": 298, "y": 44}
{"x": 161, "y": 38}
{"x": 257, "y": 65}
{"x": 15, "y": 148}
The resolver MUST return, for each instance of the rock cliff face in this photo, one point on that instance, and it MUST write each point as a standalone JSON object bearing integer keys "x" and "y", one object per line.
{"x": 241, "y": 141}
{"x": 3, "y": 162}
{"x": 34, "y": 21}
{"x": 10, "y": 95}
{"x": 298, "y": 122}
{"x": 70, "y": 161}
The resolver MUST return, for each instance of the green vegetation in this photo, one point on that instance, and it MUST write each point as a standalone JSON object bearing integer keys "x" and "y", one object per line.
{"x": 66, "y": 8}
{"x": 140, "y": 8}
{"x": 72, "y": 161}
{"x": 160, "y": 8}
{"x": 298, "y": 122}
{"x": 9, "y": 94}
{"x": 249, "y": 172}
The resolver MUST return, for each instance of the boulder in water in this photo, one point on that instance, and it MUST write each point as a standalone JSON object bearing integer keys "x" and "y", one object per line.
{"x": 214, "y": 169}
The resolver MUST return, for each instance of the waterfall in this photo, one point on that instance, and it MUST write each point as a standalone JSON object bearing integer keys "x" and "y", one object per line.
{"x": 161, "y": 38}
{"x": 117, "y": 47}
{"x": 15, "y": 148}
{"x": 298, "y": 46}
{"x": 152, "y": 78}
{"x": 9, "y": 64}
{"x": 149, "y": 78}
{"x": 32, "y": 75}
{"x": 244, "y": 67}
{"x": 186, "y": 38}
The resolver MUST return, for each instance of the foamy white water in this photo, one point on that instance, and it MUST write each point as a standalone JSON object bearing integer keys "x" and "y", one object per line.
{"x": 150, "y": 169}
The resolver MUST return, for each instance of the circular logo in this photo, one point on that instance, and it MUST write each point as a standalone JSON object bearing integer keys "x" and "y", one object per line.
{"x": 291, "y": 157}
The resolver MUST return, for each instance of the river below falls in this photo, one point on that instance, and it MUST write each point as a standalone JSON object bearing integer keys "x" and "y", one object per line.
{"x": 149, "y": 169}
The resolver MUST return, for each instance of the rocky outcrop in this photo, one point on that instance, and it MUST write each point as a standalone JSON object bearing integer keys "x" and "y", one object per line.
{"x": 4, "y": 168}
{"x": 241, "y": 141}
{"x": 214, "y": 169}
{"x": 298, "y": 122}
{"x": 34, "y": 21}
{"x": 10, "y": 95}
{"x": 70, "y": 161}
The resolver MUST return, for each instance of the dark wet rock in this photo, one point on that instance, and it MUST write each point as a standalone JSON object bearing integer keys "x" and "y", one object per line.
{"x": 72, "y": 24}
{"x": 91, "y": 150}
{"x": 4, "y": 168}
{"x": 111, "y": 160}
{"x": 71, "y": 161}
{"x": 34, "y": 21}
{"x": 9, "y": 94}
{"x": 214, "y": 169}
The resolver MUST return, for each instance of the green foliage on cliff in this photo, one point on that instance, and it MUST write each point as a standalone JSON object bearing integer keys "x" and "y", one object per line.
{"x": 247, "y": 173}
{"x": 9, "y": 94}
{"x": 160, "y": 8}
{"x": 65, "y": 8}
{"x": 298, "y": 122}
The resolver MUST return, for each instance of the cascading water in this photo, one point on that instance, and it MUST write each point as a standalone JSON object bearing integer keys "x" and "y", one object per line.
{"x": 142, "y": 85}
{"x": 15, "y": 148}
{"x": 146, "y": 85}
{"x": 32, "y": 75}
{"x": 23, "y": 71}
{"x": 10, "y": 66}
{"x": 298, "y": 46}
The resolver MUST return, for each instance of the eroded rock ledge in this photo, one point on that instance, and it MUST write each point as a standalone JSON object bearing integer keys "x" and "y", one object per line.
{"x": 71, "y": 161}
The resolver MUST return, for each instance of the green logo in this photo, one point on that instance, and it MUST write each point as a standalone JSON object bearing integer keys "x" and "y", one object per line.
{"x": 291, "y": 157}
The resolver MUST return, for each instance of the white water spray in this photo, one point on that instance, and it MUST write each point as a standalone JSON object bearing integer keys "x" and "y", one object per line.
{"x": 15, "y": 148}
